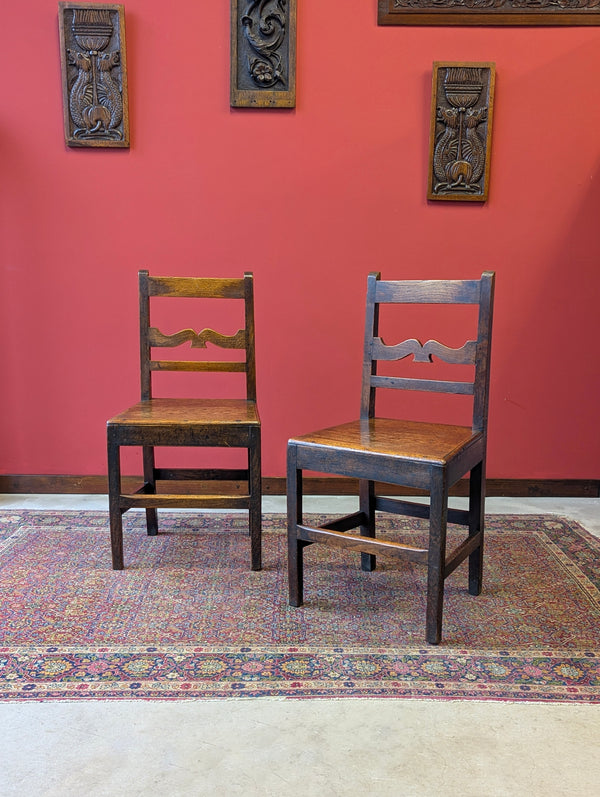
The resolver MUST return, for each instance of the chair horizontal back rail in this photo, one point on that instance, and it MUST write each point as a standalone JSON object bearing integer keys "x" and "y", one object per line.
{"x": 428, "y": 385}
{"x": 427, "y": 292}
{"x": 196, "y": 287}
{"x": 198, "y": 340}
{"x": 198, "y": 366}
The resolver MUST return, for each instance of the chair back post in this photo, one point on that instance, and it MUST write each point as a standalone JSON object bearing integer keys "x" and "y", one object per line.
{"x": 250, "y": 347}
{"x": 484, "y": 342}
{"x": 367, "y": 401}
{"x": 145, "y": 375}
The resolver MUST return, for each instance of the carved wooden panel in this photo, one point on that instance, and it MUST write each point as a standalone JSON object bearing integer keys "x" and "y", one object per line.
{"x": 462, "y": 105}
{"x": 263, "y": 53}
{"x": 489, "y": 12}
{"x": 94, "y": 74}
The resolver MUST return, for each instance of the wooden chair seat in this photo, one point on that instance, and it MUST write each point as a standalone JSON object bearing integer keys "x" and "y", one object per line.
{"x": 433, "y": 443}
{"x": 414, "y": 454}
{"x": 192, "y": 414}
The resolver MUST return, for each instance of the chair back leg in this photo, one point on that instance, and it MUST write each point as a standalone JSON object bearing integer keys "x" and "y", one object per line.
{"x": 366, "y": 492}
{"x": 476, "y": 526}
{"x": 149, "y": 480}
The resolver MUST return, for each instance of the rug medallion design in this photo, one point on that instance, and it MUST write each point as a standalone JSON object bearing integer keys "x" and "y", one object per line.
{"x": 188, "y": 619}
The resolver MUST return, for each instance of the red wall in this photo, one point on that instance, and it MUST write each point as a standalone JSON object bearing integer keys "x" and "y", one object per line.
{"x": 311, "y": 200}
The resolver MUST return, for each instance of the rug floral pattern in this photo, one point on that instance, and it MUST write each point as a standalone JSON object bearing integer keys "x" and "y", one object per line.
{"x": 188, "y": 619}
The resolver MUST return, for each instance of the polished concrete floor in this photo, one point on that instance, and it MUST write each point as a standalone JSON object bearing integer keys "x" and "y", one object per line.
{"x": 304, "y": 747}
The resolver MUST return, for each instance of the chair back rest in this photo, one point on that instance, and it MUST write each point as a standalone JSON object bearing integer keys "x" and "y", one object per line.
{"x": 473, "y": 352}
{"x": 202, "y": 288}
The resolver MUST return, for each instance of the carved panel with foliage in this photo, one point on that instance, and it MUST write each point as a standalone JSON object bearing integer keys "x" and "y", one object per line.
{"x": 263, "y": 53}
{"x": 489, "y": 12}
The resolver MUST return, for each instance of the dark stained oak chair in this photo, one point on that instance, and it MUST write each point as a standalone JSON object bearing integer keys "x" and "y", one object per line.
{"x": 413, "y": 454}
{"x": 205, "y": 422}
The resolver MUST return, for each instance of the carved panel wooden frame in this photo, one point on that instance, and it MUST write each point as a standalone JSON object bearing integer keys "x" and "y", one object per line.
{"x": 462, "y": 105}
{"x": 488, "y": 12}
{"x": 93, "y": 57}
{"x": 263, "y": 54}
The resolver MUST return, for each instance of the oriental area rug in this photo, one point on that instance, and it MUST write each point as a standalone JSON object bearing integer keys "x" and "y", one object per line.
{"x": 187, "y": 619}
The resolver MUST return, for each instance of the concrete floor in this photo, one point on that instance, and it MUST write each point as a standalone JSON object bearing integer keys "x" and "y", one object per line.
{"x": 266, "y": 746}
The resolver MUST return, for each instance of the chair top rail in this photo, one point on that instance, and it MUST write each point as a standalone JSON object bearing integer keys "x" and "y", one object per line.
{"x": 195, "y": 287}
{"x": 427, "y": 291}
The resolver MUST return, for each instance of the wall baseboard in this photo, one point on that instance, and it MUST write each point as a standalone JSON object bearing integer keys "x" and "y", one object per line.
{"x": 511, "y": 488}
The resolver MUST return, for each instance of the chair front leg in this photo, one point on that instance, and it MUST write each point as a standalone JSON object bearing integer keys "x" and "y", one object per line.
{"x": 294, "y": 518}
{"x": 476, "y": 525}
{"x": 255, "y": 507}
{"x": 149, "y": 478}
{"x": 366, "y": 491}
{"x": 114, "y": 508}
{"x": 438, "y": 520}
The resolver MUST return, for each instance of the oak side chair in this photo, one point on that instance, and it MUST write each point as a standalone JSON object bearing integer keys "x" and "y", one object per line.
{"x": 205, "y": 422}
{"x": 430, "y": 456}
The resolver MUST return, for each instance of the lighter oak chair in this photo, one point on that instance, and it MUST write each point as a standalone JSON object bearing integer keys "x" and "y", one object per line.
{"x": 197, "y": 422}
{"x": 429, "y": 456}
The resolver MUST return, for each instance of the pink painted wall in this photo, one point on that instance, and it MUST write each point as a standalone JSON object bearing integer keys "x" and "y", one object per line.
{"x": 311, "y": 200}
